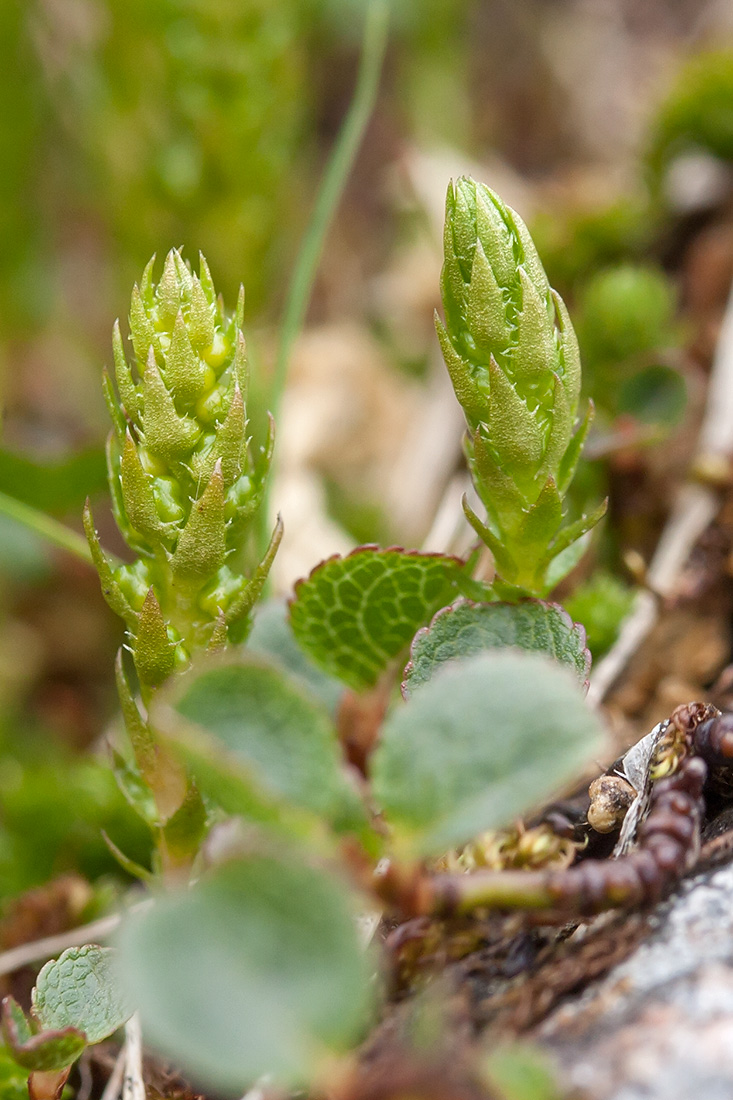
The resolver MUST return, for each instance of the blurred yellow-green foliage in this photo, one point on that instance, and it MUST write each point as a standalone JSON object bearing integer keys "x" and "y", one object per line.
{"x": 697, "y": 114}
{"x": 144, "y": 124}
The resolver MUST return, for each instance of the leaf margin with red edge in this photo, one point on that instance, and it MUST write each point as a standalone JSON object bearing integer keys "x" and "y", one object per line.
{"x": 41, "y": 1051}
{"x": 353, "y": 667}
{"x": 440, "y": 616}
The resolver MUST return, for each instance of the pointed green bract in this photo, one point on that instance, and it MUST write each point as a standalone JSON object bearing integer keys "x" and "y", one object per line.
{"x": 111, "y": 589}
{"x": 202, "y": 545}
{"x": 154, "y": 652}
{"x": 513, "y": 359}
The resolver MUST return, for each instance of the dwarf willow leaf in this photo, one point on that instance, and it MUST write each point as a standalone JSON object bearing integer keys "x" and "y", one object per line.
{"x": 80, "y": 989}
{"x": 533, "y": 626}
{"x": 257, "y": 969}
{"x": 271, "y": 725}
{"x": 354, "y": 615}
{"x": 44, "y": 1051}
{"x": 483, "y": 742}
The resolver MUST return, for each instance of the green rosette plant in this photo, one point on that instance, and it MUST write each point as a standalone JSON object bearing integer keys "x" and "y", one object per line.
{"x": 185, "y": 488}
{"x": 513, "y": 359}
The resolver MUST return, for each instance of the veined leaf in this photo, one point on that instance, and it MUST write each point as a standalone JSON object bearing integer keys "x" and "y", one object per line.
{"x": 355, "y": 615}
{"x": 279, "y": 738}
{"x": 467, "y": 628}
{"x": 80, "y": 990}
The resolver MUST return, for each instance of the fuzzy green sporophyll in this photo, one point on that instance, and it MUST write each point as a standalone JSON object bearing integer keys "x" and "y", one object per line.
{"x": 184, "y": 485}
{"x": 185, "y": 488}
{"x": 513, "y": 359}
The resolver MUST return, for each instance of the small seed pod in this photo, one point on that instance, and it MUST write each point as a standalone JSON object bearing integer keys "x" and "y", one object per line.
{"x": 610, "y": 798}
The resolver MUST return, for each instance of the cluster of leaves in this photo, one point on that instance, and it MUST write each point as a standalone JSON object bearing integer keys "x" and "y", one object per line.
{"x": 276, "y": 979}
{"x": 185, "y": 488}
{"x": 463, "y": 751}
{"x": 514, "y": 362}
{"x": 258, "y": 968}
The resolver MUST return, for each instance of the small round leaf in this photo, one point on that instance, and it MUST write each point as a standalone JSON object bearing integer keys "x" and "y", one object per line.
{"x": 255, "y": 970}
{"x": 486, "y": 740}
{"x": 274, "y": 728}
{"x": 80, "y": 990}
{"x": 354, "y": 615}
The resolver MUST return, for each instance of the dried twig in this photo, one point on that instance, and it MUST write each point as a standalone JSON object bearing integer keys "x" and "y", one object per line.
{"x": 696, "y": 507}
{"x": 133, "y": 1085}
{"x": 114, "y": 1082}
{"x": 40, "y": 950}
{"x": 26, "y": 954}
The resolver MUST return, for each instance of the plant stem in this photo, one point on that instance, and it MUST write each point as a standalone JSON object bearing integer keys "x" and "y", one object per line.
{"x": 48, "y": 528}
{"x": 494, "y": 890}
{"x": 329, "y": 196}
{"x": 407, "y": 890}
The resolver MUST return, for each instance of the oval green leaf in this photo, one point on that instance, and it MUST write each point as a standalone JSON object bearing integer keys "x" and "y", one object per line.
{"x": 280, "y": 739}
{"x": 80, "y": 990}
{"x": 355, "y": 615}
{"x": 255, "y": 970}
{"x": 467, "y": 628}
{"x": 486, "y": 740}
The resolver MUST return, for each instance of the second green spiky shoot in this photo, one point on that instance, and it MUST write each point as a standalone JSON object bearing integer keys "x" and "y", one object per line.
{"x": 513, "y": 359}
